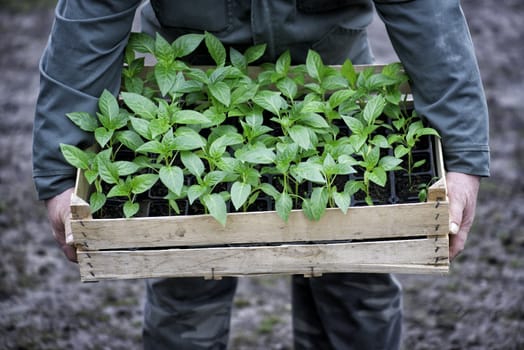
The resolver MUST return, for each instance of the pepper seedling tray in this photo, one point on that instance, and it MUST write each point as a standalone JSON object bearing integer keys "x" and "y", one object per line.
{"x": 390, "y": 238}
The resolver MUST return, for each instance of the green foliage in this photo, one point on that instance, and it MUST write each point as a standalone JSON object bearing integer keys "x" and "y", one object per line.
{"x": 199, "y": 132}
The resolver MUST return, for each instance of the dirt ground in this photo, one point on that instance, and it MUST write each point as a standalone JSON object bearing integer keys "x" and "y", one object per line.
{"x": 479, "y": 305}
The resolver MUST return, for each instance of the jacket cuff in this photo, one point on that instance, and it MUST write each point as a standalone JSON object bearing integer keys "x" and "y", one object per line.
{"x": 50, "y": 186}
{"x": 468, "y": 162}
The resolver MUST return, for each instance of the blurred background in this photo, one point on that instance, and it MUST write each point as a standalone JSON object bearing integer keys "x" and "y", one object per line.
{"x": 479, "y": 305}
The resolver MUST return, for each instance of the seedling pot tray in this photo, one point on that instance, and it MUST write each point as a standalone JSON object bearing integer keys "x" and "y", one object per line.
{"x": 393, "y": 238}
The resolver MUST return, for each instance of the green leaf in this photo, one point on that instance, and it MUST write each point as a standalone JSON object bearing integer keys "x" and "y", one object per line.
{"x": 221, "y": 92}
{"x": 373, "y": 108}
{"x": 354, "y": 124}
{"x": 423, "y": 195}
{"x": 378, "y": 176}
{"x": 125, "y": 168}
{"x": 142, "y": 183}
{"x": 300, "y": 135}
{"x": 164, "y": 53}
{"x": 339, "y": 96}
{"x": 309, "y": 171}
{"x": 243, "y": 93}
{"x": 195, "y": 191}
{"x": 108, "y": 106}
{"x": 399, "y": 123}
{"x": 130, "y": 209}
{"x": 76, "y": 157}
{"x": 216, "y": 206}
{"x": 141, "y": 126}
{"x": 215, "y": 48}
{"x": 83, "y": 120}
{"x": 91, "y": 175}
{"x": 394, "y": 138}
{"x": 419, "y": 163}
{"x": 96, "y": 201}
{"x": 214, "y": 177}
{"x": 173, "y": 178}
{"x": 340, "y": 169}
{"x": 107, "y": 170}
{"x": 102, "y": 136}
{"x": 288, "y": 87}
{"x": 121, "y": 189}
{"x": 357, "y": 141}
{"x": 400, "y": 151}
{"x": 239, "y": 193}
{"x": 198, "y": 75}
{"x": 218, "y": 147}
{"x": 286, "y": 153}
{"x": 186, "y": 44}
{"x": 314, "y": 120}
{"x": 159, "y": 127}
{"x": 237, "y": 59}
{"x": 342, "y": 200}
{"x": 315, "y": 207}
{"x": 253, "y": 53}
{"x": 255, "y": 154}
{"x": 271, "y": 101}
{"x": 283, "y": 206}
{"x": 314, "y": 65}
{"x": 140, "y": 105}
{"x": 371, "y": 157}
{"x": 192, "y": 163}
{"x": 353, "y": 186}
{"x": 188, "y": 117}
{"x": 380, "y": 141}
{"x": 134, "y": 84}
{"x": 389, "y": 163}
{"x": 334, "y": 82}
{"x": 283, "y": 63}
{"x": 165, "y": 75}
{"x": 348, "y": 71}
{"x": 270, "y": 190}
{"x": 428, "y": 131}
{"x": 187, "y": 139}
{"x": 142, "y": 43}
{"x": 151, "y": 147}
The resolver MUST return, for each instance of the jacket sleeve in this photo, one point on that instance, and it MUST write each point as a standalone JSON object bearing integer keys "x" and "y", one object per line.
{"x": 433, "y": 43}
{"x": 83, "y": 56}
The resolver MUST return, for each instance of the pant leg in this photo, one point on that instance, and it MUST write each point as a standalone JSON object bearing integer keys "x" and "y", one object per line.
{"x": 347, "y": 311}
{"x": 188, "y": 313}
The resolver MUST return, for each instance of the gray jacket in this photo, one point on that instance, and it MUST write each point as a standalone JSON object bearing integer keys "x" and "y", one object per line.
{"x": 84, "y": 55}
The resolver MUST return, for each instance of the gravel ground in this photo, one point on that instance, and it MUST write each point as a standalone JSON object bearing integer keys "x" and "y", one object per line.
{"x": 479, "y": 305}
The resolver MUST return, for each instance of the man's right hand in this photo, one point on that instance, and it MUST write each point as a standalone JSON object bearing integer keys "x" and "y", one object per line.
{"x": 58, "y": 212}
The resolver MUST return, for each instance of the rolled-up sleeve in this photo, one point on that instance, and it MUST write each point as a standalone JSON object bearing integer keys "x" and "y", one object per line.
{"x": 83, "y": 56}
{"x": 433, "y": 42}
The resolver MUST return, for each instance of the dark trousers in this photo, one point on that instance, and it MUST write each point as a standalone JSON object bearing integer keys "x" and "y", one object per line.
{"x": 335, "y": 311}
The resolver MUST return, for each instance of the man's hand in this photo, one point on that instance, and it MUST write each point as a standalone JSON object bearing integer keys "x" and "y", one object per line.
{"x": 58, "y": 212}
{"x": 462, "y": 194}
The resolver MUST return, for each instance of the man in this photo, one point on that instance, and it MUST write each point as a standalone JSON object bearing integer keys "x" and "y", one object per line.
{"x": 336, "y": 311}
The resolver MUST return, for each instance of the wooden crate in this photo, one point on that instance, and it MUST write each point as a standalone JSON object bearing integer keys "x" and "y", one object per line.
{"x": 397, "y": 238}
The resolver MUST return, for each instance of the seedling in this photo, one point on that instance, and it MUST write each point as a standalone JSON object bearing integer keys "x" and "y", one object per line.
{"x": 212, "y": 135}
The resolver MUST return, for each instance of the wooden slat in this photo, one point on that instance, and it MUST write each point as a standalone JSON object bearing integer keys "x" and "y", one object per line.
{"x": 438, "y": 191}
{"x": 408, "y": 256}
{"x": 386, "y": 221}
{"x": 79, "y": 205}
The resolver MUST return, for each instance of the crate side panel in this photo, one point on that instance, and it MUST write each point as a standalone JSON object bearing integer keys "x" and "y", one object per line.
{"x": 428, "y": 255}
{"x": 360, "y": 223}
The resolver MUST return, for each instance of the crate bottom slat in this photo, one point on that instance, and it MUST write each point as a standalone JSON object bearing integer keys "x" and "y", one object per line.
{"x": 425, "y": 255}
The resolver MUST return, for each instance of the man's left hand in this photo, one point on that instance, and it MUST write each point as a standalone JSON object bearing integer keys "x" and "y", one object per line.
{"x": 462, "y": 195}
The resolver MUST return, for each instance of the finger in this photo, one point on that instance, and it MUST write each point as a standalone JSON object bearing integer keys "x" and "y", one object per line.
{"x": 70, "y": 253}
{"x": 456, "y": 245}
